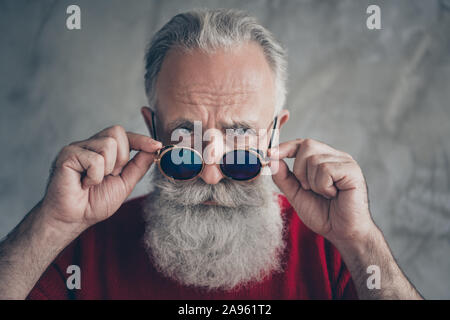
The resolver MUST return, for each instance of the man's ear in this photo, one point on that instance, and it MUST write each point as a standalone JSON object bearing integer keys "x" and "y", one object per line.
{"x": 148, "y": 114}
{"x": 283, "y": 117}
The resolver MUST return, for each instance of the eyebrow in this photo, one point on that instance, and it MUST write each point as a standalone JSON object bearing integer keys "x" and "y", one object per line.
{"x": 180, "y": 123}
{"x": 240, "y": 125}
{"x": 189, "y": 124}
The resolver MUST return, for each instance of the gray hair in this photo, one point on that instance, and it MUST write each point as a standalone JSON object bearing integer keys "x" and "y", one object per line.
{"x": 210, "y": 30}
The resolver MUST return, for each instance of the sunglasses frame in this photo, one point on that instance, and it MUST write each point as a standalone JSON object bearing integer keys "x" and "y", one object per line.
{"x": 168, "y": 148}
{"x": 254, "y": 151}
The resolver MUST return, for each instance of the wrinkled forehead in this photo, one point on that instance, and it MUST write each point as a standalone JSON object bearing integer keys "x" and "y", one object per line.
{"x": 220, "y": 87}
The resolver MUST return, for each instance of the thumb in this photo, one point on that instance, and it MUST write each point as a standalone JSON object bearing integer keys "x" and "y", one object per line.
{"x": 284, "y": 178}
{"x": 308, "y": 205}
{"x": 136, "y": 168}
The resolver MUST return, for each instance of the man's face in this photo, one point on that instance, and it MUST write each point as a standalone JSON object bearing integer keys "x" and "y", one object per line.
{"x": 226, "y": 90}
{"x": 214, "y": 232}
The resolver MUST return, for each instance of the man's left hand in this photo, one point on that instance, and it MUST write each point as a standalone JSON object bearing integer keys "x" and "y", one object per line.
{"x": 326, "y": 188}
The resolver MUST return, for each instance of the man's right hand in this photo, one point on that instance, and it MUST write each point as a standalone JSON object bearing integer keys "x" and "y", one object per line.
{"x": 90, "y": 179}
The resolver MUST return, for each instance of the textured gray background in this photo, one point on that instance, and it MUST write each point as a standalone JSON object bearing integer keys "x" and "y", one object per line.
{"x": 382, "y": 96}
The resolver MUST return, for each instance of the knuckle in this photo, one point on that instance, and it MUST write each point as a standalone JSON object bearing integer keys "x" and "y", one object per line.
{"x": 324, "y": 167}
{"x": 308, "y": 143}
{"x": 353, "y": 165}
{"x": 65, "y": 153}
{"x": 313, "y": 159}
{"x": 97, "y": 160}
{"x": 347, "y": 155}
{"x": 359, "y": 171}
{"x": 117, "y": 130}
{"x": 67, "y": 149}
{"x": 110, "y": 143}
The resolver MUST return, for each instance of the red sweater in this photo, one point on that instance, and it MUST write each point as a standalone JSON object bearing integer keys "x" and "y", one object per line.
{"x": 115, "y": 265}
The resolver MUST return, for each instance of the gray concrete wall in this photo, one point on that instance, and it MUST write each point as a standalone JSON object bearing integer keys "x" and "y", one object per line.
{"x": 382, "y": 96}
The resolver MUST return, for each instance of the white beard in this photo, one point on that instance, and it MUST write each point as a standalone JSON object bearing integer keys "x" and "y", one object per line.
{"x": 222, "y": 246}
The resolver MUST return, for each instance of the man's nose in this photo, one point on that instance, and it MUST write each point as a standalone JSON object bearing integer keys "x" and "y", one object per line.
{"x": 212, "y": 154}
{"x": 211, "y": 174}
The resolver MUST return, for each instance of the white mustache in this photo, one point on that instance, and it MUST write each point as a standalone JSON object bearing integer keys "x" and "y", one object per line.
{"x": 227, "y": 193}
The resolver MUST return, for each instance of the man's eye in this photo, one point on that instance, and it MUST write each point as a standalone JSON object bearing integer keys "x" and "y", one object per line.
{"x": 181, "y": 132}
{"x": 242, "y": 131}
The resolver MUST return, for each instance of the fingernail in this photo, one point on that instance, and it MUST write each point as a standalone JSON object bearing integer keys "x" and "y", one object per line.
{"x": 156, "y": 143}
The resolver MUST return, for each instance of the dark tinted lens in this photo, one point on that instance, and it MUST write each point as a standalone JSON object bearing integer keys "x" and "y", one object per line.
{"x": 181, "y": 163}
{"x": 240, "y": 165}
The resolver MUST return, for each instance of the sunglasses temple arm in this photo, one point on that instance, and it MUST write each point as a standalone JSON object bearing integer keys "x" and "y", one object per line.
{"x": 273, "y": 132}
{"x": 153, "y": 126}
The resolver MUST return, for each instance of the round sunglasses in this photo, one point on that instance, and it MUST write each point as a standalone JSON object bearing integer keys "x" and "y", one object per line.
{"x": 184, "y": 163}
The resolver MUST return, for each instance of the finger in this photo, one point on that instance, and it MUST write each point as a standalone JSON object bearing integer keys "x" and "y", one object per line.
{"x": 307, "y": 148}
{"x": 324, "y": 184}
{"x": 310, "y": 207}
{"x": 285, "y": 150}
{"x": 291, "y": 149}
{"x": 107, "y": 147}
{"x": 136, "y": 169}
{"x": 332, "y": 177}
{"x": 300, "y": 170}
{"x": 312, "y": 166}
{"x": 83, "y": 161}
{"x": 140, "y": 142}
{"x": 345, "y": 175}
{"x": 123, "y": 149}
{"x": 301, "y": 149}
{"x": 284, "y": 178}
